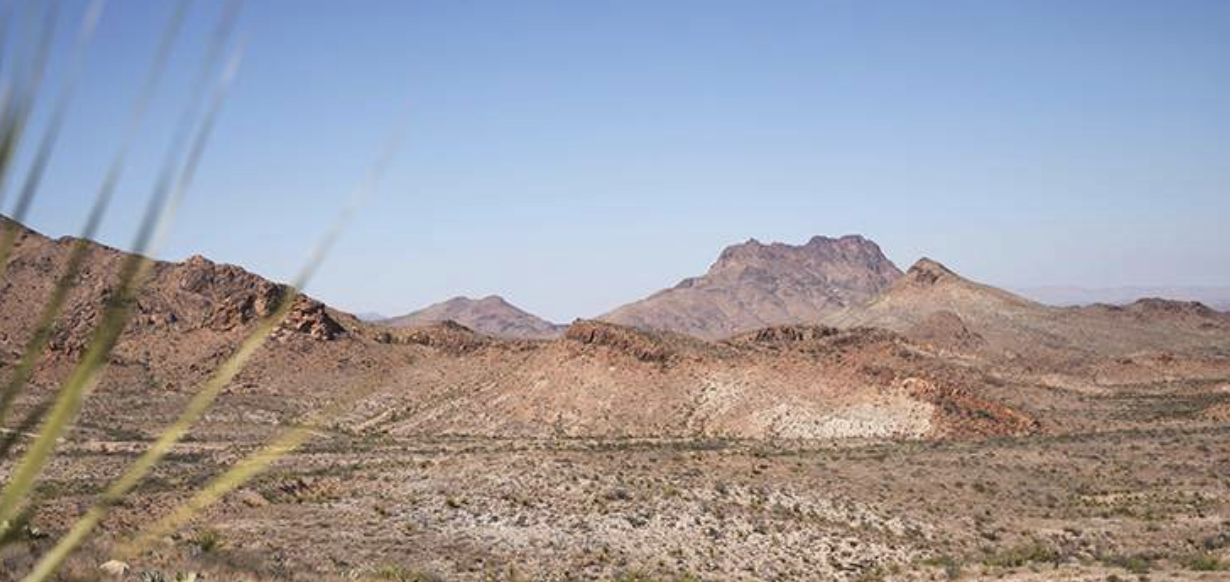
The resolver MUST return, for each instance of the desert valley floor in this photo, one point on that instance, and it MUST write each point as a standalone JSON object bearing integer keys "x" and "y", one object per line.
{"x": 1122, "y": 504}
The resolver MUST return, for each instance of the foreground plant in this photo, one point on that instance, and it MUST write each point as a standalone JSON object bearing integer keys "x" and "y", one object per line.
{"x": 114, "y": 316}
{"x": 77, "y": 253}
{"x": 171, "y": 186}
{"x": 292, "y": 438}
{"x": 47, "y": 142}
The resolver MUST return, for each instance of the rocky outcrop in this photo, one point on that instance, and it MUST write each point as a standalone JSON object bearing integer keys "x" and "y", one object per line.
{"x": 178, "y": 298}
{"x": 783, "y": 336}
{"x": 448, "y": 336}
{"x": 961, "y": 414}
{"x": 235, "y": 298}
{"x": 642, "y": 345}
{"x": 311, "y": 318}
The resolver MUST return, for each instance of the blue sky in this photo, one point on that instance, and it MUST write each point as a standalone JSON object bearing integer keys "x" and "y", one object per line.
{"x": 573, "y": 156}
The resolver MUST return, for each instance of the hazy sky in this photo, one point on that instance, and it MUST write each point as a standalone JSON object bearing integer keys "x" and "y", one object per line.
{"x": 573, "y": 156}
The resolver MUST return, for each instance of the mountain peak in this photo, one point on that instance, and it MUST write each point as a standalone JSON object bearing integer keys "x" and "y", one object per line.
{"x": 753, "y": 285}
{"x": 492, "y": 299}
{"x": 848, "y": 239}
{"x": 928, "y": 271}
{"x": 817, "y": 248}
{"x": 491, "y": 315}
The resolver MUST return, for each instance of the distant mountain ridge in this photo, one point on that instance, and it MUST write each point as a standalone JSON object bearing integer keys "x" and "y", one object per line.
{"x": 754, "y": 285}
{"x": 491, "y": 315}
{"x": 1217, "y": 297}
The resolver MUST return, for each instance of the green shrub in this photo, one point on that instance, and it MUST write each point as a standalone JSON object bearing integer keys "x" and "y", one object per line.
{"x": 208, "y": 541}
{"x": 951, "y": 566}
{"x": 396, "y": 573}
{"x": 1204, "y": 562}
{"x": 1017, "y": 556}
{"x": 1136, "y": 563}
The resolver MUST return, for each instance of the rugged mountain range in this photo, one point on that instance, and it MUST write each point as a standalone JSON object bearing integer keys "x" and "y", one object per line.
{"x": 754, "y": 285}
{"x": 931, "y": 355}
{"x": 491, "y": 315}
{"x": 597, "y": 379}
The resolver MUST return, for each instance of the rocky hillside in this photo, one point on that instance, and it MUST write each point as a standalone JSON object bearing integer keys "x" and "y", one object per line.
{"x": 606, "y": 380}
{"x": 196, "y": 295}
{"x": 186, "y": 320}
{"x": 754, "y": 285}
{"x": 490, "y": 315}
{"x": 933, "y": 304}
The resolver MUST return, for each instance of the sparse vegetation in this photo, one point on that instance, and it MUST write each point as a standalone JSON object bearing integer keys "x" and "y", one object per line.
{"x": 1021, "y": 555}
{"x": 159, "y": 576}
{"x": 1134, "y": 563}
{"x": 208, "y": 541}
{"x": 951, "y": 566}
{"x": 395, "y": 573}
{"x": 1204, "y": 562}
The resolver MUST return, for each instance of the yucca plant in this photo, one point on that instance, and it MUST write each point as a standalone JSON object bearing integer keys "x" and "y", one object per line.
{"x": 178, "y": 171}
{"x": 77, "y": 254}
{"x": 115, "y": 312}
{"x": 19, "y": 90}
